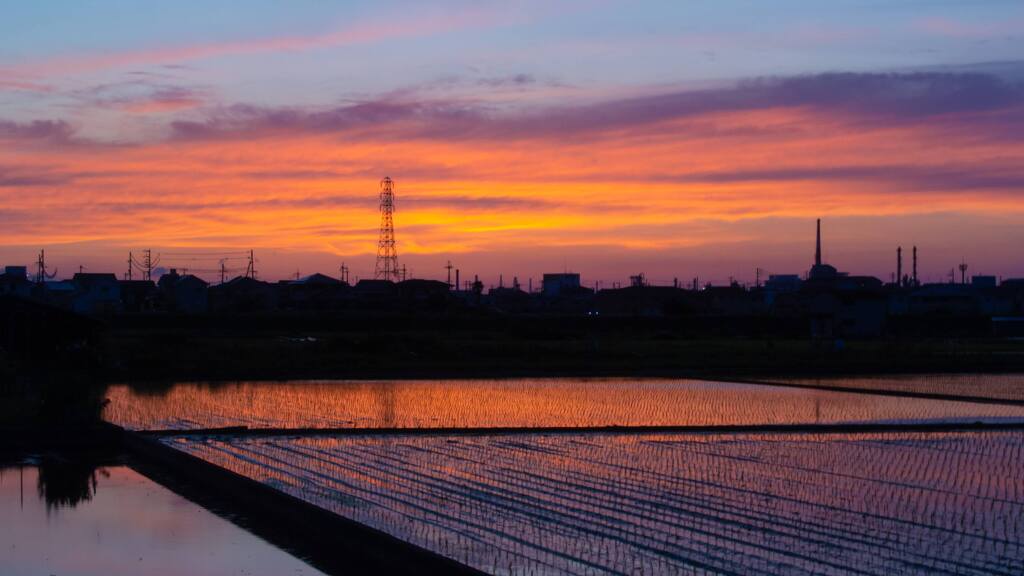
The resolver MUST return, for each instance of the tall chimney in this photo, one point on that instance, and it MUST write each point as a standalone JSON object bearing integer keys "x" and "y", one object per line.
{"x": 457, "y": 285}
{"x": 817, "y": 248}
{"x": 915, "y": 266}
{"x": 899, "y": 265}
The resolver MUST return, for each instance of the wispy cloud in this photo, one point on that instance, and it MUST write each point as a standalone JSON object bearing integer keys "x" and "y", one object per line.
{"x": 947, "y": 27}
{"x": 357, "y": 33}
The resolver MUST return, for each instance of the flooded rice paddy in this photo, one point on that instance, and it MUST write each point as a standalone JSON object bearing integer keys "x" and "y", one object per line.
{"x": 995, "y": 386}
{"x": 606, "y": 502}
{"x": 886, "y": 503}
{"x": 523, "y": 403}
{"x": 88, "y": 521}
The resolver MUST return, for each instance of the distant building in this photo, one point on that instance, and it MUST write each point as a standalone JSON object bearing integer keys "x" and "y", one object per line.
{"x": 983, "y": 281}
{"x": 60, "y": 293}
{"x": 313, "y": 292}
{"x": 428, "y": 293}
{"x": 183, "y": 292}
{"x": 242, "y": 294}
{"x": 96, "y": 293}
{"x": 555, "y": 285}
{"x": 641, "y": 300}
{"x": 375, "y": 293}
{"x": 137, "y": 295}
{"x": 14, "y": 281}
{"x": 513, "y": 299}
{"x": 783, "y": 282}
{"x": 780, "y": 284}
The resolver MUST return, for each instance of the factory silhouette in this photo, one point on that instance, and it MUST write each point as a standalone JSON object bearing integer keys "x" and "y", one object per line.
{"x": 823, "y": 303}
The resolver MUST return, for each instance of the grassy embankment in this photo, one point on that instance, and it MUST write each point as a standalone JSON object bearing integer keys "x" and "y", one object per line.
{"x": 276, "y": 350}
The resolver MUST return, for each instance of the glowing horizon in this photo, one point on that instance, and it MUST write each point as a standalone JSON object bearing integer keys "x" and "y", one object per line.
{"x": 237, "y": 136}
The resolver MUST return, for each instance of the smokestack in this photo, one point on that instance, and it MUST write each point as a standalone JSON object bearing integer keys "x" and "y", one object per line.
{"x": 817, "y": 248}
{"x": 899, "y": 265}
{"x": 915, "y": 266}
{"x": 457, "y": 288}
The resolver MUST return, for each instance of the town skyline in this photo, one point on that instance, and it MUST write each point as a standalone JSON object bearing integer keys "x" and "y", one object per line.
{"x": 207, "y": 264}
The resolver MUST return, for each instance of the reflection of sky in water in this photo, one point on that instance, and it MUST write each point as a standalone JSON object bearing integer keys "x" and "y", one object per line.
{"x": 519, "y": 403}
{"x": 880, "y": 503}
{"x": 130, "y": 525}
{"x": 997, "y": 386}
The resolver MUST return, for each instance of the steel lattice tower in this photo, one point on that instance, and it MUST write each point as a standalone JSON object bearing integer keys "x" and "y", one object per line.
{"x": 387, "y": 256}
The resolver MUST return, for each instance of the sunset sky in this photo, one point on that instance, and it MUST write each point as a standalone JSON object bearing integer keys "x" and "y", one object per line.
{"x": 677, "y": 139}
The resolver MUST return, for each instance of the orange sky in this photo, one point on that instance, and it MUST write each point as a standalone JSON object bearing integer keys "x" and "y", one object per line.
{"x": 727, "y": 189}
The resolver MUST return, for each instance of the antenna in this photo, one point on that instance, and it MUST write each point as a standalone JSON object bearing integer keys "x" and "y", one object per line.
{"x": 963, "y": 272}
{"x": 387, "y": 256}
{"x": 449, "y": 268}
{"x": 344, "y": 273}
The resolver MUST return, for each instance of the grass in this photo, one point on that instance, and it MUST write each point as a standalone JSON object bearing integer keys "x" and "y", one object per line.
{"x": 276, "y": 353}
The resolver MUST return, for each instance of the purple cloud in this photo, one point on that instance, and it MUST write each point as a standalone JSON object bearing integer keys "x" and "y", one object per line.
{"x": 985, "y": 100}
{"x": 47, "y": 131}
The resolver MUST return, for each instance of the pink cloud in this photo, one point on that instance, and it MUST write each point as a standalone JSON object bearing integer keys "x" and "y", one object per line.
{"x": 970, "y": 30}
{"x": 355, "y": 34}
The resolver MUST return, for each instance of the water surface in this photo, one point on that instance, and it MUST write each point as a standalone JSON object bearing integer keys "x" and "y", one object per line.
{"x": 60, "y": 519}
{"x": 996, "y": 386}
{"x": 886, "y": 503}
{"x": 536, "y": 402}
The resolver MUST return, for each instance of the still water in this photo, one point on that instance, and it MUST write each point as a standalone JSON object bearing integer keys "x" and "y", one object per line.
{"x": 611, "y": 503}
{"x": 562, "y": 402}
{"x": 995, "y": 386}
{"x": 56, "y": 519}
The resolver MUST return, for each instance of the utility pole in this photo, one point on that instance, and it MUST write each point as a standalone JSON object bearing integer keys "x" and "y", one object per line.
{"x": 250, "y": 271}
{"x": 449, "y": 268}
{"x": 148, "y": 262}
{"x": 128, "y": 275}
{"x": 344, "y": 273}
{"x": 41, "y": 274}
{"x": 223, "y": 271}
{"x": 963, "y": 272}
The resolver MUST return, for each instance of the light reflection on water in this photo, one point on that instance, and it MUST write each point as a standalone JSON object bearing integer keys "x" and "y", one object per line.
{"x": 885, "y": 503}
{"x": 71, "y": 518}
{"x": 996, "y": 386}
{"x": 562, "y": 402}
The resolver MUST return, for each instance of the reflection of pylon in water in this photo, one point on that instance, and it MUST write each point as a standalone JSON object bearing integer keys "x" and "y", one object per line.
{"x": 387, "y": 256}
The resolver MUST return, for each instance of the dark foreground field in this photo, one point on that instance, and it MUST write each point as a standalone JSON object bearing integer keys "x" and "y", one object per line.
{"x": 284, "y": 347}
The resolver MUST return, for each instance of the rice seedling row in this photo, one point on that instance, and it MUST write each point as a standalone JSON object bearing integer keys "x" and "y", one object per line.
{"x": 889, "y": 503}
